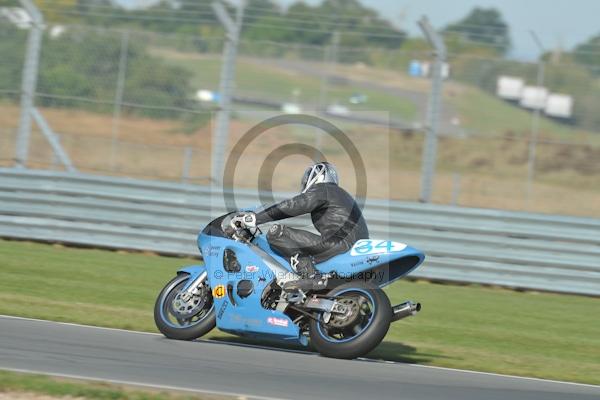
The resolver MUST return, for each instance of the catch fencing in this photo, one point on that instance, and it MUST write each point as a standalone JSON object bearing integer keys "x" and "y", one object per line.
{"x": 128, "y": 102}
{"x": 512, "y": 249}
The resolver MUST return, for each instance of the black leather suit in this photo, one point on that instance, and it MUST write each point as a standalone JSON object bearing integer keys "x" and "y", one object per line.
{"x": 334, "y": 213}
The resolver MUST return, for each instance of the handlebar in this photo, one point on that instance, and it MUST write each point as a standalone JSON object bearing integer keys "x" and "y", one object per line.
{"x": 238, "y": 230}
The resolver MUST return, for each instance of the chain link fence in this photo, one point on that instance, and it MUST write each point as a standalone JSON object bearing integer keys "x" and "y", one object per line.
{"x": 142, "y": 104}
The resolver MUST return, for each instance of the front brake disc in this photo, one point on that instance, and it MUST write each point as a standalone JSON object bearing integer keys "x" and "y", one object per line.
{"x": 187, "y": 308}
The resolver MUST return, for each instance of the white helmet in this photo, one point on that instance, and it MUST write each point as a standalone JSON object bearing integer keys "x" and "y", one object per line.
{"x": 322, "y": 172}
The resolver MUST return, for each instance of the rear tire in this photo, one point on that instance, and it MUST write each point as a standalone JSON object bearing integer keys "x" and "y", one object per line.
{"x": 167, "y": 321}
{"x": 372, "y": 332}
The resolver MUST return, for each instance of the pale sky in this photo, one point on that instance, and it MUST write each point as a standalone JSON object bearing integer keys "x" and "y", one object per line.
{"x": 556, "y": 22}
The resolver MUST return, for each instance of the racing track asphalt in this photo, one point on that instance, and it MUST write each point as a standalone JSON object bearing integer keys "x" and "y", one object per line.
{"x": 207, "y": 366}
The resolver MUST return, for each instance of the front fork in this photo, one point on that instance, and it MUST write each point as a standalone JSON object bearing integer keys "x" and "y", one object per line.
{"x": 193, "y": 287}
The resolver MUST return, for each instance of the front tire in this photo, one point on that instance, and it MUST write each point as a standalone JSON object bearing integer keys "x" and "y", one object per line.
{"x": 181, "y": 320}
{"x": 365, "y": 329}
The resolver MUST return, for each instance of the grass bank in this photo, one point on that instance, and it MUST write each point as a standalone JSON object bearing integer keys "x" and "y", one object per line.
{"x": 531, "y": 334}
{"x": 27, "y": 385}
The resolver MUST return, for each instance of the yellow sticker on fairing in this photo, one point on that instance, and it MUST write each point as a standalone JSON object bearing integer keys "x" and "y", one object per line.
{"x": 219, "y": 292}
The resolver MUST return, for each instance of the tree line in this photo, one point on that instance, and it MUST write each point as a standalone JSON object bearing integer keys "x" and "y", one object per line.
{"x": 368, "y": 37}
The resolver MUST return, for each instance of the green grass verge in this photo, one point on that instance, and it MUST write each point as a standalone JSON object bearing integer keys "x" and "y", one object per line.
{"x": 12, "y": 382}
{"x": 480, "y": 112}
{"x": 532, "y": 334}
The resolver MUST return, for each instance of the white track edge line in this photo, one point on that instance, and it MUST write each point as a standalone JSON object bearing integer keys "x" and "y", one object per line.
{"x": 247, "y": 345}
{"x": 140, "y": 384}
{"x": 507, "y": 376}
{"x": 307, "y": 352}
{"x": 78, "y": 325}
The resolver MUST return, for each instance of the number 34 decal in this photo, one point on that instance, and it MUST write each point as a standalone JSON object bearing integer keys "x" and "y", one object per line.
{"x": 368, "y": 246}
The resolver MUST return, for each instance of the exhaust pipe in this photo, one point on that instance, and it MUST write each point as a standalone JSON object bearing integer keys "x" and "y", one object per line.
{"x": 406, "y": 309}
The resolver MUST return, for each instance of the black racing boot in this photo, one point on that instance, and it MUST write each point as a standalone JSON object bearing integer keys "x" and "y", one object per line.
{"x": 311, "y": 278}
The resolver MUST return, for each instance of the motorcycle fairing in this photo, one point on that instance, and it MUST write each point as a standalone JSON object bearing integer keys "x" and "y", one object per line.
{"x": 244, "y": 315}
{"x": 380, "y": 261}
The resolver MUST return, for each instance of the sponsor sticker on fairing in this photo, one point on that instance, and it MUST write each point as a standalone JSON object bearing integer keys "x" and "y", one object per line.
{"x": 277, "y": 321}
{"x": 222, "y": 309}
{"x": 251, "y": 268}
{"x": 365, "y": 247}
{"x": 219, "y": 292}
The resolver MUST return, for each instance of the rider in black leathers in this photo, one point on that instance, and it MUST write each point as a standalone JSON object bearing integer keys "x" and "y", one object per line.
{"x": 334, "y": 213}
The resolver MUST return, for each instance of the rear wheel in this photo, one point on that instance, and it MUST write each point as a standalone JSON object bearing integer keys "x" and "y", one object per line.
{"x": 358, "y": 331}
{"x": 178, "y": 318}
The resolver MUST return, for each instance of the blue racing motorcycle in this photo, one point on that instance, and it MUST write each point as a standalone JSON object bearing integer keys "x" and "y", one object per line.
{"x": 239, "y": 290}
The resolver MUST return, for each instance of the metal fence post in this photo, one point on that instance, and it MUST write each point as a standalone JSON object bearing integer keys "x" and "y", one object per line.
{"x": 187, "y": 164}
{"x": 29, "y": 82}
{"x": 330, "y": 59}
{"x": 535, "y": 123}
{"x": 221, "y": 130}
{"x": 55, "y": 159}
{"x": 433, "y": 110}
{"x": 118, "y": 98}
{"x": 53, "y": 140}
{"x": 456, "y": 183}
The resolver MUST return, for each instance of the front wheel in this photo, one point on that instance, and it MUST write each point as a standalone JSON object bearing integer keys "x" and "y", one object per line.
{"x": 358, "y": 331}
{"x": 181, "y": 319}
